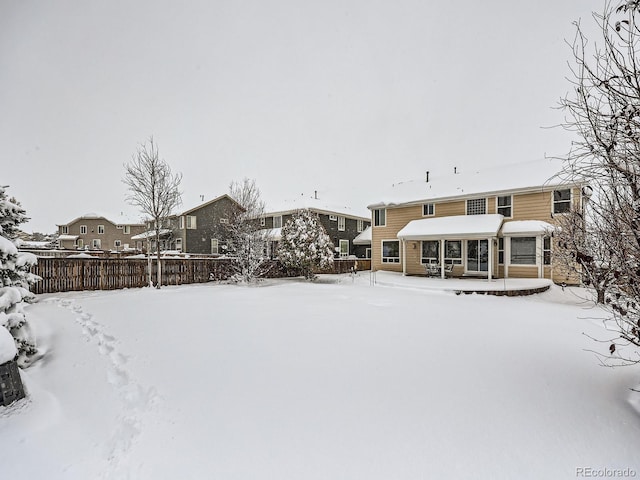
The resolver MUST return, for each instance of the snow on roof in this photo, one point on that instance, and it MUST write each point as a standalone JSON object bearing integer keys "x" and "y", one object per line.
{"x": 121, "y": 219}
{"x": 363, "y": 238}
{"x": 459, "y": 226}
{"x": 8, "y": 349}
{"x": 310, "y": 202}
{"x": 512, "y": 177}
{"x": 207, "y": 202}
{"x": 151, "y": 234}
{"x": 274, "y": 234}
{"x": 526, "y": 227}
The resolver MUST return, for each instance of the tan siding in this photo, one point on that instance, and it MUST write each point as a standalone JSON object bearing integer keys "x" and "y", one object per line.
{"x": 414, "y": 255}
{"x": 396, "y": 219}
{"x": 532, "y": 206}
{"x": 491, "y": 204}
{"x": 519, "y": 271}
{"x": 450, "y": 208}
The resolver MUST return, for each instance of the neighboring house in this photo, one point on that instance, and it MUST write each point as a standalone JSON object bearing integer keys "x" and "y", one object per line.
{"x": 96, "y": 232}
{"x": 497, "y": 222}
{"x": 200, "y": 230}
{"x": 341, "y": 223}
{"x": 363, "y": 241}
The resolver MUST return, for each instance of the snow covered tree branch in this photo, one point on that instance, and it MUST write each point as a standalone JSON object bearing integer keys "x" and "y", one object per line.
{"x": 603, "y": 110}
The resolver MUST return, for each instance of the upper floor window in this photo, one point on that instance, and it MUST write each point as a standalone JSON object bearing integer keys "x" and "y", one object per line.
{"x": 263, "y": 221}
{"x": 561, "y": 201}
{"x": 360, "y": 225}
{"x": 428, "y": 210}
{"x": 83, "y": 229}
{"x": 477, "y": 206}
{"x": 101, "y": 229}
{"x": 117, "y": 243}
{"x": 333, "y": 218}
{"x": 64, "y": 229}
{"x": 379, "y": 217}
{"x": 504, "y": 206}
{"x": 277, "y": 221}
{"x": 126, "y": 229}
{"x": 191, "y": 222}
{"x": 224, "y": 221}
{"x": 341, "y": 223}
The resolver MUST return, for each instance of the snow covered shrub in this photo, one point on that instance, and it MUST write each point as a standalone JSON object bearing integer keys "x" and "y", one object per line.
{"x": 15, "y": 278}
{"x": 305, "y": 245}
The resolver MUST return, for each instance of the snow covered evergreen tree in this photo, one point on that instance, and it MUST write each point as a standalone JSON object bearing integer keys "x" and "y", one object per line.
{"x": 305, "y": 244}
{"x": 15, "y": 278}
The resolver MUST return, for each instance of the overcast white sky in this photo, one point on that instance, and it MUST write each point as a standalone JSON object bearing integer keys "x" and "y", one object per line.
{"x": 343, "y": 97}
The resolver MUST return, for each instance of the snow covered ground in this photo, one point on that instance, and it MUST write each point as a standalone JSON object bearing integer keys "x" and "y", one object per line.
{"x": 338, "y": 379}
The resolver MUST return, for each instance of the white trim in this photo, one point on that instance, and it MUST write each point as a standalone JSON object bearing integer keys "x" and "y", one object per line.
{"x": 433, "y": 209}
{"x": 466, "y": 205}
{"x": 373, "y": 215}
{"x": 401, "y": 250}
{"x": 553, "y": 202}
{"x": 340, "y": 243}
{"x": 342, "y": 223}
{"x": 504, "y": 206}
{"x": 279, "y": 217}
{"x": 83, "y": 227}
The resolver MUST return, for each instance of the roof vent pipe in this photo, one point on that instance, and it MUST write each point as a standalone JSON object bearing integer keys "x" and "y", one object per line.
{"x": 455, "y": 170}
{"x": 427, "y": 179}
{"x": 315, "y": 194}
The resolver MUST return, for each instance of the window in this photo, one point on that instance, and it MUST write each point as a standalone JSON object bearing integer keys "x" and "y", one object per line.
{"x": 96, "y": 243}
{"x": 80, "y": 243}
{"x": 191, "y": 222}
{"x": 341, "y": 224}
{"x": 277, "y": 221}
{"x": 360, "y": 225}
{"x": 428, "y": 210}
{"x": 379, "y": 217}
{"x": 344, "y": 248}
{"x": 224, "y": 221}
{"x": 430, "y": 251}
{"x": 333, "y": 218}
{"x": 367, "y": 252}
{"x": 501, "y": 251}
{"x": 523, "y": 251}
{"x": 477, "y": 206}
{"x": 64, "y": 230}
{"x": 181, "y": 222}
{"x": 263, "y": 221}
{"x": 100, "y": 229}
{"x": 117, "y": 243}
{"x": 179, "y": 244}
{"x": 126, "y": 229}
{"x": 561, "y": 201}
{"x": 546, "y": 250}
{"x": 214, "y": 246}
{"x": 83, "y": 229}
{"x": 119, "y": 227}
{"x": 504, "y": 206}
{"x": 453, "y": 252}
{"x": 390, "y": 251}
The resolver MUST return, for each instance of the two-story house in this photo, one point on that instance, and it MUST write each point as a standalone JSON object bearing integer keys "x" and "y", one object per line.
{"x": 199, "y": 230}
{"x": 97, "y": 232}
{"x": 343, "y": 224}
{"x": 495, "y": 222}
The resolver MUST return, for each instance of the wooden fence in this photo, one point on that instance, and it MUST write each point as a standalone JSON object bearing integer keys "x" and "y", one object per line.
{"x": 75, "y": 274}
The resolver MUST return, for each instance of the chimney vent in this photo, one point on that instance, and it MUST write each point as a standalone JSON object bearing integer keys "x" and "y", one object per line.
{"x": 427, "y": 179}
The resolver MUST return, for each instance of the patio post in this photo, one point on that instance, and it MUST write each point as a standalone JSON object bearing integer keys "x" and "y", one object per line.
{"x": 442, "y": 275}
{"x": 404, "y": 258}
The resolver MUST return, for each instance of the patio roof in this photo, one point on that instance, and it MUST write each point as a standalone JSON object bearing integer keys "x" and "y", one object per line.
{"x": 363, "y": 238}
{"x": 151, "y": 234}
{"x": 454, "y": 227}
{"x": 526, "y": 227}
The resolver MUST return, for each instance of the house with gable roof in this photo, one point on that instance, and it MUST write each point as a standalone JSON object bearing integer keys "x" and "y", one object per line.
{"x": 199, "y": 230}
{"x": 97, "y": 232}
{"x": 342, "y": 223}
{"x": 493, "y": 223}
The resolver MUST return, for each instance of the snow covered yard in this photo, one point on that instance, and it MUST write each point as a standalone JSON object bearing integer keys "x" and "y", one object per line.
{"x": 331, "y": 380}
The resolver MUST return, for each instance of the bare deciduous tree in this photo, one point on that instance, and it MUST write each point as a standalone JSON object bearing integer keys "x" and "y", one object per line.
{"x": 154, "y": 189}
{"x": 603, "y": 110}
{"x": 247, "y": 237}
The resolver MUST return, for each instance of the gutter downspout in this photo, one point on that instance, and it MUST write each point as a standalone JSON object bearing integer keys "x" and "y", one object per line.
{"x": 404, "y": 258}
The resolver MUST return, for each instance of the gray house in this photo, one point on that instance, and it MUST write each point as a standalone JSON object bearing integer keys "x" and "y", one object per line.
{"x": 200, "y": 230}
{"x": 341, "y": 223}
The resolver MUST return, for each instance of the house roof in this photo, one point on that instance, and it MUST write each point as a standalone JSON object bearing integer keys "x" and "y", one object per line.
{"x": 317, "y": 205}
{"x": 526, "y": 227}
{"x": 198, "y": 207}
{"x": 363, "y": 238}
{"x": 121, "y": 219}
{"x": 511, "y": 178}
{"x": 151, "y": 234}
{"x": 454, "y": 227}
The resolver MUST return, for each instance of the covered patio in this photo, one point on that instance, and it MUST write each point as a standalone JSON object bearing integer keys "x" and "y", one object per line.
{"x": 466, "y": 241}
